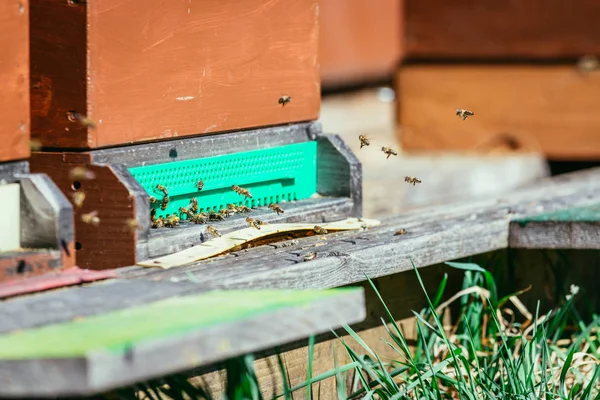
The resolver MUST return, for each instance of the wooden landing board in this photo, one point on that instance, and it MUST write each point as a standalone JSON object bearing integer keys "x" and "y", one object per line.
{"x": 14, "y": 75}
{"x": 547, "y": 109}
{"x": 98, "y": 353}
{"x": 186, "y": 68}
{"x": 229, "y": 241}
{"x": 570, "y": 228}
{"x": 474, "y": 29}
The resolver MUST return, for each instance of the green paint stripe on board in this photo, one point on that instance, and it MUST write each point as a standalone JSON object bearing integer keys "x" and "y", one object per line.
{"x": 578, "y": 214}
{"x": 118, "y": 330}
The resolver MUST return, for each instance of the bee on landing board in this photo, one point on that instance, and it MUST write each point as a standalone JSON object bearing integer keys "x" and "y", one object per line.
{"x": 213, "y": 231}
{"x": 276, "y": 208}
{"x": 389, "y": 152}
{"x": 400, "y": 232}
{"x": 158, "y": 223}
{"x": 172, "y": 221}
{"x": 226, "y": 212}
{"x": 243, "y": 209}
{"x": 310, "y": 256}
{"x": 364, "y": 141}
{"x": 241, "y": 191}
{"x": 91, "y": 218}
{"x": 184, "y": 211}
{"x": 283, "y": 100}
{"x": 464, "y": 113}
{"x": 412, "y": 180}
{"x": 319, "y": 230}
{"x": 199, "y": 218}
{"x": 253, "y": 223}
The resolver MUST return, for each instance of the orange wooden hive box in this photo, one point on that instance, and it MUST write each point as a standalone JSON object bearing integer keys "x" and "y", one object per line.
{"x": 153, "y": 69}
{"x": 514, "y": 64}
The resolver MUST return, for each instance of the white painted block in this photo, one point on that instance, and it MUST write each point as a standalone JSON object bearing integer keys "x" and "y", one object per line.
{"x": 10, "y": 222}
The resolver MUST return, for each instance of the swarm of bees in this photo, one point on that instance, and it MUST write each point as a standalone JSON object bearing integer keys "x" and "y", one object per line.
{"x": 283, "y": 100}
{"x": 464, "y": 113}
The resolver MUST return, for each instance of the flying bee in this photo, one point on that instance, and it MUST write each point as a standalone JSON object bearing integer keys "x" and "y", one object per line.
{"x": 158, "y": 223}
{"x": 243, "y": 209}
{"x": 400, "y": 232}
{"x": 80, "y": 173}
{"x": 162, "y": 189}
{"x": 241, "y": 191}
{"x": 200, "y": 184}
{"x": 78, "y": 198}
{"x": 185, "y": 211}
{"x": 364, "y": 141}
{"x": 588, "y": 64}
{"x": 389, "y": 152}
{"x": 411, "y": 179}
{"x": 276, "y": 208}
{"x": 319, "y": 230}
{"x": 74, "y": 116}
{"x": 91, "y": 218}
{"x": 253, "y": 224}
{"x": 165, "y": 203}
{"x": 35, "y": 145}
{"x": 152, "y": 199}
{"x": 310, "y": 256}
{"x": 194, "y": 205}
{"x": 172, "y": 221}
{"x": 213, "y": 231}
{"x": 225, "y": 212}
{"x": 464, "y": 113}
{"x": 132, "y": 224}
{"x": 283, "y": 100}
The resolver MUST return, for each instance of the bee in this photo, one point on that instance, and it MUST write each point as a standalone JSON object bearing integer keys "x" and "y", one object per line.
{"x": 165, "y": 203}
{"x": 172, "y": 221}
{"x": 78, "y": 198}
{"x": 364, "y": 141}
{"x": 389, "y": 152}
{"x": 162, "y": 189}
{"x": 283, "y": 100}
{"x": 194, "y": 205}
{"x": 411, "y": 179}
{"x": 213, "y": 216}
{"x": 225, "y": 212}
{"x": 91, "y": 218}
{"x": 152, "y": 199}
{"x": 153, "y": 215}
{"x": 320, "y": 230}
{"x": 588, "y": 64}
{"x": 463, "y": 113}
{"x": 232, "y": 208}
{"x": 185, "y": 211}
{"x": 74, "y": 116}
{"x": 158, "y": 223}
{"x": 199, "y": 218}
{"x": 276, "y": 208}
{"x": 200, "y": 184}
{"x": 132, "y": 224}
{"x": 243, "y": 209}
{"x": 400, "y": 232}
{"x": 310, "y": 256}
{"x": 213, "y": 231}
{"x": 35, "y": 145}
{"x": 254, "y": 224}
{"x": 241, "y": 191}
{"x": 81, "y": 173}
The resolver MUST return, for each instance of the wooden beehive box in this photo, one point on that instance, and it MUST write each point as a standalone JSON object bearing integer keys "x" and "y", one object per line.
{"x": 151, "y": 70}
{"x": 514, "y": 64}
{"x": 14, "y": 75}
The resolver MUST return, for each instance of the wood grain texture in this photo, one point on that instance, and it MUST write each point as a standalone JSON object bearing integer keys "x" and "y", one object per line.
{"x": 543, "y": 29}
{"x": 111, "y": 242}
{"x": 547, "y": 109}
{"x": 359, "y": 40}
{"x": 14, "y": 75}
{"x": 185, "y": 69}
{"x": 572, "y": 228}
{"x": 90, "y": 360}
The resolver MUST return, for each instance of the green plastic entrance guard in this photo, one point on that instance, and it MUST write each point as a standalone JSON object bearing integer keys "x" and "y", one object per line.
{"x": 271, "y": 175}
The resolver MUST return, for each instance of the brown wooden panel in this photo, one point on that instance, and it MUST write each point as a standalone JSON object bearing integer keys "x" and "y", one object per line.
{"x": 359, "y": 40}
{"x": 553, "y": 109}
{"x": 26, "y": 263}
{"x": 14, "y": 75}
{"x": 491, "y": 28}
{"x": 158, "y": 69}
{"x": 110, "y": 239}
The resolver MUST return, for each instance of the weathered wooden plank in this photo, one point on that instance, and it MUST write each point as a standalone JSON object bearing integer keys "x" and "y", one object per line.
{"x": 571, "y": 228}
{"x": 14, "y": 75}
{"x": 359, "y": 40}
{"x": 473, "y": 29}
{"x": 88, "y": 355}
{"x": 517, "y": 108}
{"x": 185, "y": 69}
